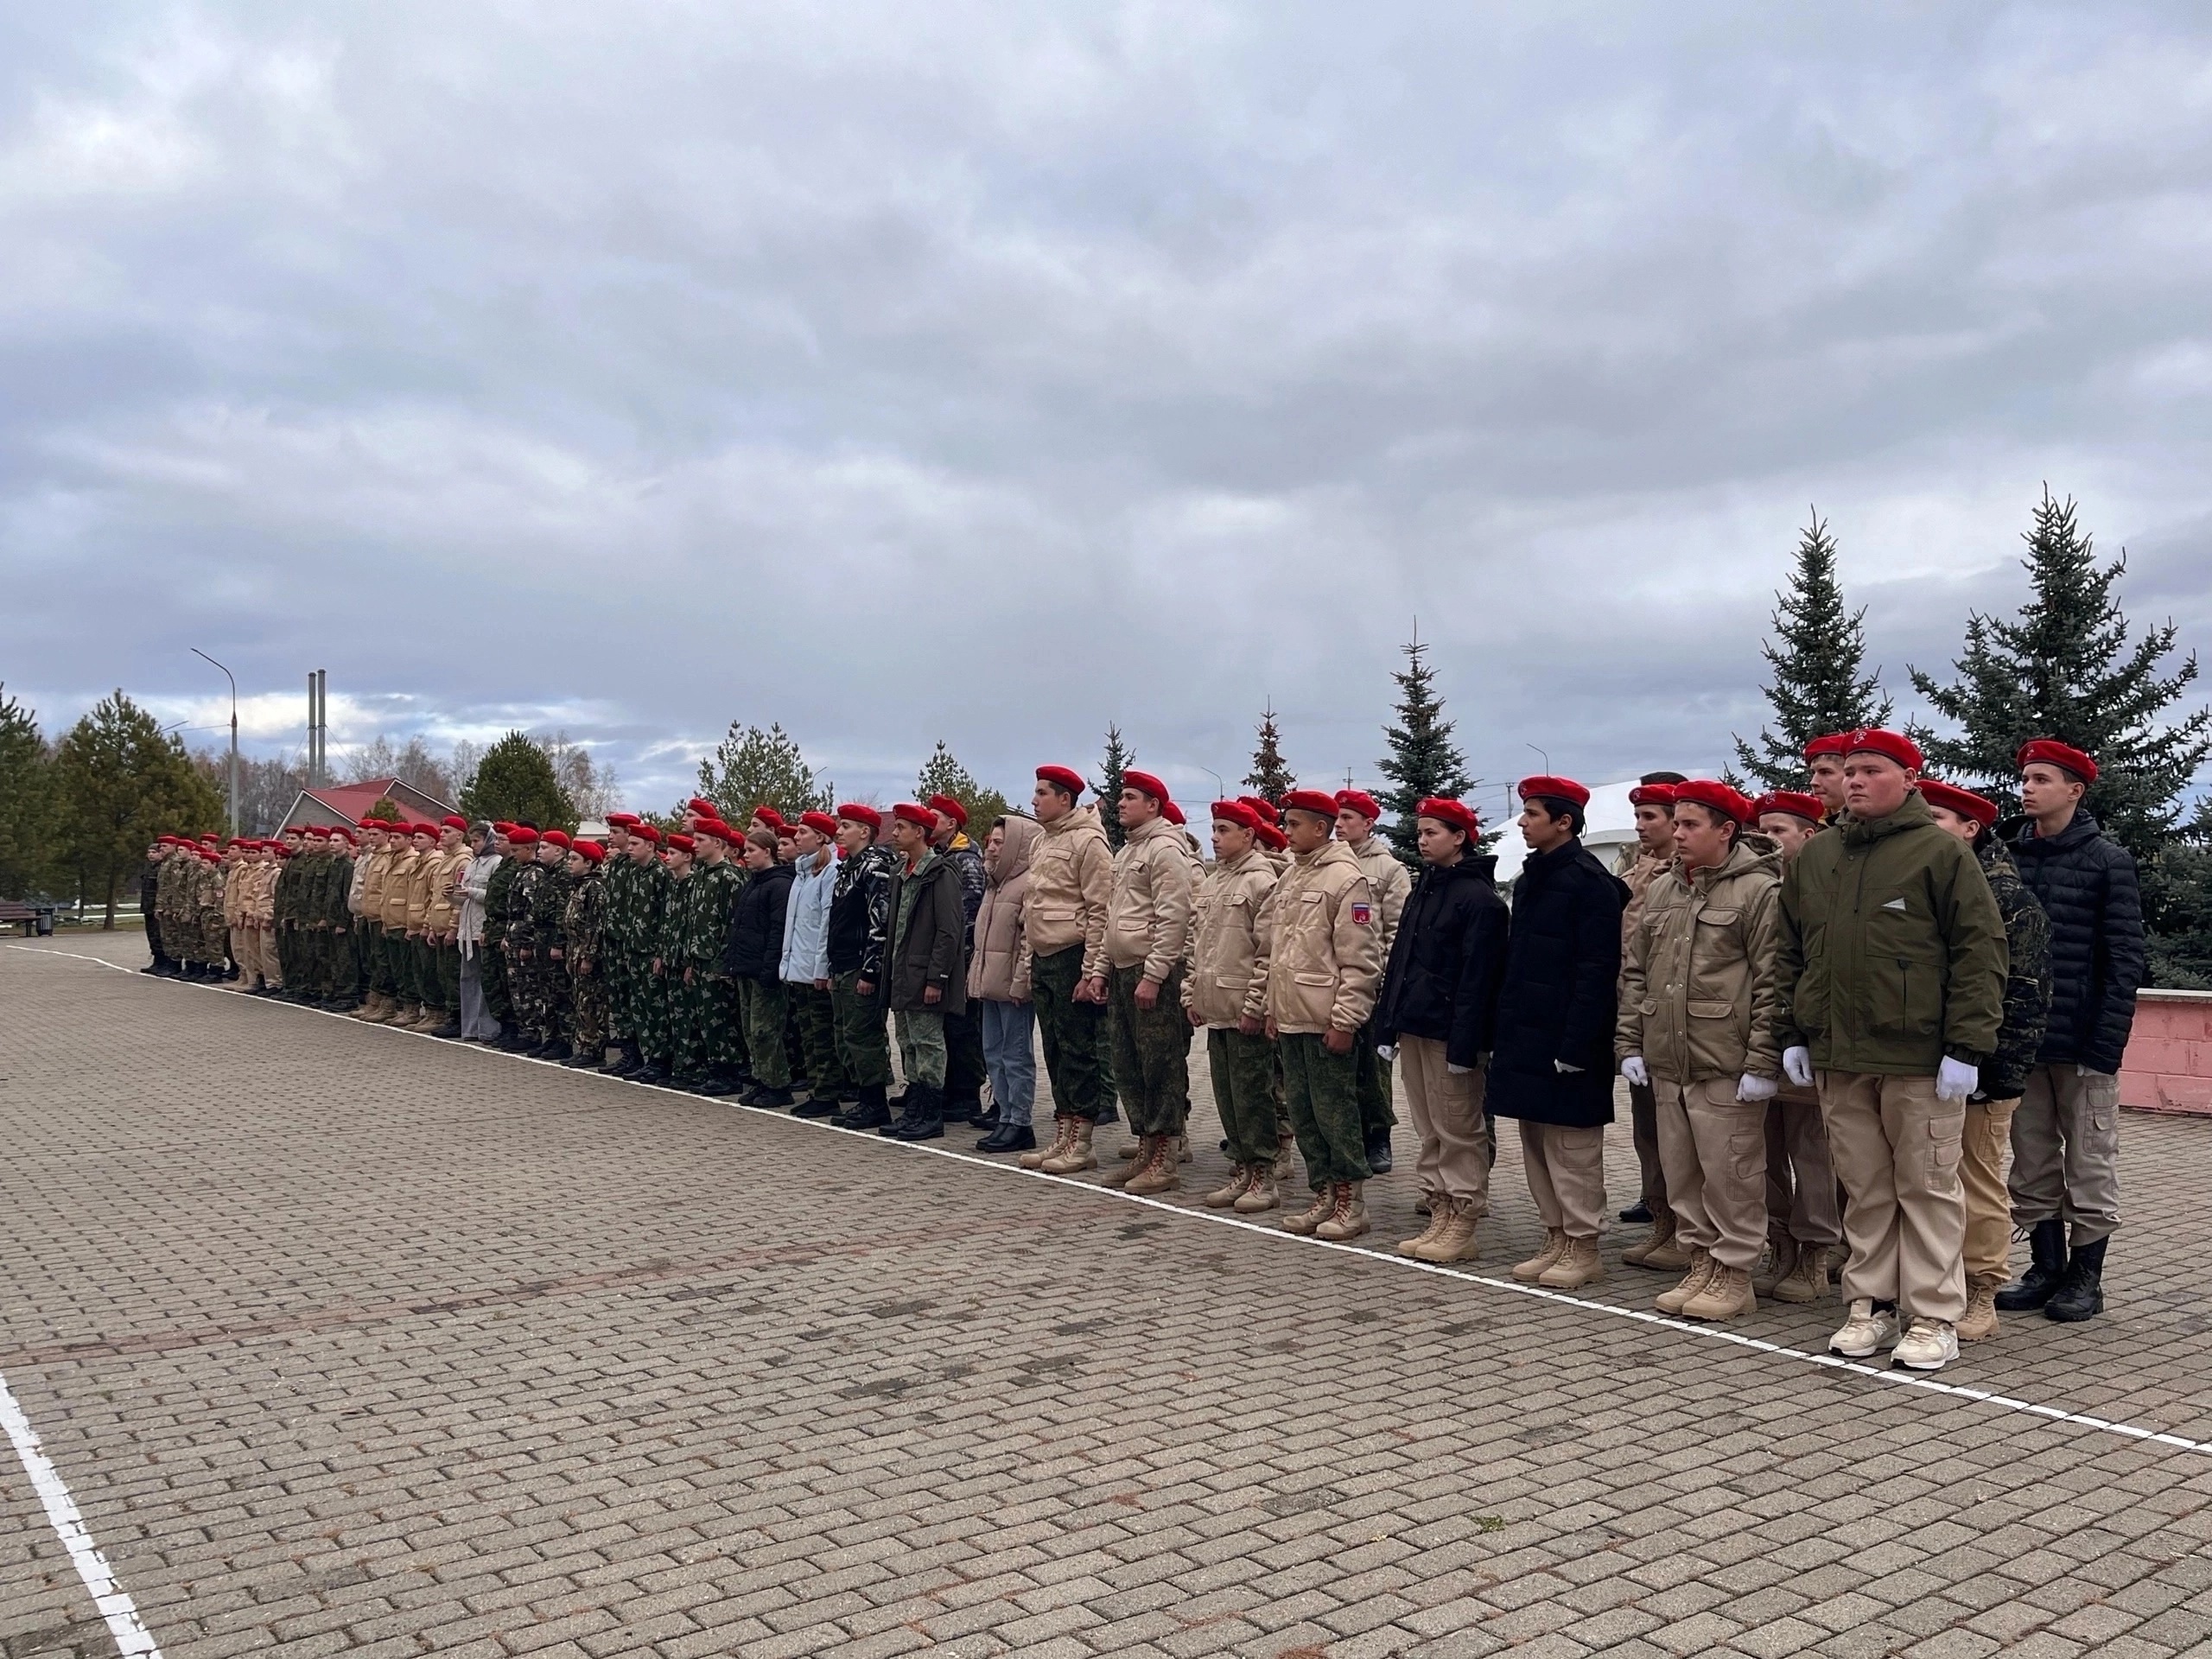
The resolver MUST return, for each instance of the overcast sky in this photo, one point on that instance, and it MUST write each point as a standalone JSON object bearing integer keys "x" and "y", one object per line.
{"x": 903, "y": 372}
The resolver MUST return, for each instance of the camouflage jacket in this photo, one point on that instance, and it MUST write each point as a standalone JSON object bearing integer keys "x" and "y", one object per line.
{"x": 522, "y": 902}
{"x": 637, "y": 909}
{"x": 675, "y": 917}
{"x": 549, "y": 904}
{"x": 583, "y": 921}
{"x": 2027, "y": 983}
{"x": 715, "y": 888}
{"x": 497, "y": 909}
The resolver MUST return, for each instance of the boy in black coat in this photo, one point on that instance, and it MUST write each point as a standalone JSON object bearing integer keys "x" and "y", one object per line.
{"x": 1438, "y": 1007}
{"x": 754, "y": 961}
{"x": 1552, "y": 1066}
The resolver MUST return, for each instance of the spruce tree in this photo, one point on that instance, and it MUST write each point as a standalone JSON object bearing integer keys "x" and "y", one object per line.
{"x": 1271, "y": 776}
{"x": 1119, "y": 758}
{"x": 943, "y": 775}
{"x": 515, "y": 781}
{"x": 2066, "y": 669}
{"x": 1423, "y": 760}
{"x": 122, "y": 780}
{"x": 1816, "y": 653}
{"x": 751, "y": 768}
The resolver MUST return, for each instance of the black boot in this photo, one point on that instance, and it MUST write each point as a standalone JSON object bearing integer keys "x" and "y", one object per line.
{"x": 1378, "y": 1152}
{"x": 1107, "y": 1113}
{"x": 583, "y": 1059}
{"x": 817, "y": 1106}
{"x": 925, "y": 1116}
{"x": 2047, "y": 1242}
{"x": 1008, "y": 1137}
{"x": 652, "y": 1072}
{"x": 985, "y": 1117}
{"x": 968, "y": 1109}
{"x": 1637, "y": 1211}
{"x": 626, "y": 1063}
{"x": 870, "y": 1112}
{"x": 2080, "y": 1294}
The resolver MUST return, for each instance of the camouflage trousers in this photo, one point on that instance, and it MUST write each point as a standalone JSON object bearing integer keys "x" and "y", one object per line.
{"x": 491, "y": 974}
{"x": 815, "y": 1013}
{"x": 760, "y": 1004}
{"x": 1324, "y": 1104}
{"x": 1371, "y": 1084}
{"x": 214, "y": 937}
{"x": 652, "y": 1021}
{"x": 1069, "y": 1033}
{"x": 1152, "y": 1052}
{"x": 399, "y": 965}
{"x": 921, "y": 1046}
{"x": 539, "y": 987}
{"x": 437, "y": 975}
{"x": 706, "y": 1025}
{"x": 1243, "y": 1070}
{"x": 862, "y": 1050}
{"x": 623, "y": 973}
{"x": 587, "y": 1007}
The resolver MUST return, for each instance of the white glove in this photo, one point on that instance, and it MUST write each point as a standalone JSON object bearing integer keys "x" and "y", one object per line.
{"x": 1457, "y": 1071}
{"x": 1565, "y": 1070}
{"x": 1956, "y": 1080}
{"x": 1797, "y": 1066}
{"x": 1753, "y": 1090}
{"x": 1636, "y": 1072}
{"x": 1387, "y": 1051}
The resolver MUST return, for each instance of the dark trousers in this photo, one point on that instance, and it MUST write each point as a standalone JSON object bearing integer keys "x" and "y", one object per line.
{"x": 1320, "y": 1089}
{"x": 1643, "y": 1120}
{"x": 1152, "y": 1053}
{"x": 965, "y": 1069}
{"x": 1069, "y": 1031}
{"x": 1371, "y": 1081}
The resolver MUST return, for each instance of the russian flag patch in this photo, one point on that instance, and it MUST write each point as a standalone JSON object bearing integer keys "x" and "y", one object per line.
{"x": 1362, "y": 915}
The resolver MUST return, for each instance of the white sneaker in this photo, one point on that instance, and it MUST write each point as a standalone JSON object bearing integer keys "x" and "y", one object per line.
{"x": 1866, "y": 1332}
{"x": 1928, "y": 1345}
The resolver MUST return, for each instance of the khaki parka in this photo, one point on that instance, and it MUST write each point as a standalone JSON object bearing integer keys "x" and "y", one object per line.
{"x": 1227, "y": 983}
{"x": 1149, "y": 907}
{"x": 1891, "y": 952}
{"x": 1697, "y": 998}
{"x": 1388, "y": 880}
{"x": 1322, "y": 942}
{"x": 1070, "y": 880}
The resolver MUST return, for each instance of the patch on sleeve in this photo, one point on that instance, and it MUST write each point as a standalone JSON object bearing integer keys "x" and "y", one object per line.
{"x": 1362, "y": 915}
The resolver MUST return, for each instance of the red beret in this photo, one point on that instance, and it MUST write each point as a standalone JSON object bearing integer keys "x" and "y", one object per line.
{"x": 1964, "y": 802}
{"x": 368, "y": 823}
{"x": 704, "y": 807}
{"x": 769, "y": 816}
{"x": 821, "y": 822}
{"x": 1892, "y": 746}
{"x": 2051, "y": 752}
{"x": 1458, "y": 814}
{"x": 453, "y": 820}
{"x": 1263, "y": 808}
{"x": 501, "y": 827}
{"x": 1708, "y": 791}
{"x": 1359, "y": 801}
{"x": 209, "y": 835}
{"x": 1271, "y": 838}
{"x": 1172, "y": 813}
{"x": 1652, "y": 795}
{"x": 1835, "y": 743}
{"x": 645, "y": 832}
{"x": 912, "y": 812}
{"x": 522, "y": 833}
{"x": 625, "y": 820}
{"x": 1311, "y": 800}
{"x": 1070, "y": 781}
{"x": 1806, "y": 807}
{"x": 342, "y": 834}
{"x": 717, "y": 829}
{"x": 1556, "y": 789}
{"x": 951, "y": 807}
{"x": 429, "y": 830}
{"x": 681, "y": 844}
{"x": 855, "y": 812}
{"x": 1145, "y": 784}
{"x": 591, "y": 850}
{"x": 554, "y": 837}
{"x": 1235, "y": 812}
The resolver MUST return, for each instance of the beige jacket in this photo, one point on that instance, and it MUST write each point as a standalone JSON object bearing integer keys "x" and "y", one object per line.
{"x": 1322, "y": 942}
{"x": 1388, "y": 881}
{"x": 998, "y": 970}
{"x": 1148, "y": 910}
{"x": 261, "y": 895}
{"x": 1071, "y": 880}
{"x": 376, "y": 872}
{"x": 398, "y": 881}
{"x": 1698, "y": 991}
{"x": 1639, "y": 869}
{"x": 237, "y": 885}
{"x": 441, "y": 909}
{"x": 1227, "y": 981}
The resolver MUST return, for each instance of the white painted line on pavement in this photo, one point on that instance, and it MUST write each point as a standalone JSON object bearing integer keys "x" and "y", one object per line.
{"x": 1513, "y": 1286}
{"x": 109, "y": 1597}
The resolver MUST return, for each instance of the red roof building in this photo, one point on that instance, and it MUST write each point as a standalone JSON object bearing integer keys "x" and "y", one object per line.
{"x": 349, "y": 803}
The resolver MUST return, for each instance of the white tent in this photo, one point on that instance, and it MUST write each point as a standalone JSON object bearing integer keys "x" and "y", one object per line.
{"x": 1611, "y": 826}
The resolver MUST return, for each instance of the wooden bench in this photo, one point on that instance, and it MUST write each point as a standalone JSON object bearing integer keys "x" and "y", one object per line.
{"x": 35, "y": 915}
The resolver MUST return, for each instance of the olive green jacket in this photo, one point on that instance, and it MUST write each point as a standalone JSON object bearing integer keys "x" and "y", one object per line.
{"x": 1891, "y": 952}
{"x": 1697, "y": 973}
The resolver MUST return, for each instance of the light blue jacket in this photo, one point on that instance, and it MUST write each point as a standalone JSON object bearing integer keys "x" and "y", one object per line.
{"x": 806, "y": 924}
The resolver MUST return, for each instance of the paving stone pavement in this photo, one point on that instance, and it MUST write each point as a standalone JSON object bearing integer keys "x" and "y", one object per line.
{"x": 350, "y": 1341}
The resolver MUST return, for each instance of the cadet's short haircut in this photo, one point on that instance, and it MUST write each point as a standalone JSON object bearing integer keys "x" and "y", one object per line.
{"x": 1662, "y": 778}
{"x": 1556, "y": 808}
{"x": 765, "y": 839}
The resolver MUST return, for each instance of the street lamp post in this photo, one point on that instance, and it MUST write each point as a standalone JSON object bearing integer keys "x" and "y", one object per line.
{"x": 233, "y": 679}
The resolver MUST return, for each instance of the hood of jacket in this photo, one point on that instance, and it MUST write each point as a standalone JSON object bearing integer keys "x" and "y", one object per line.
{"x": 1750, "y": 854}
{"x": 1018, "y": 846}
{"x": 1861, "y": 832}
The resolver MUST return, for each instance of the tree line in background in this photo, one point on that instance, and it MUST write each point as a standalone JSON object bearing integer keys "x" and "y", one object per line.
{"x": 78, "y": 813}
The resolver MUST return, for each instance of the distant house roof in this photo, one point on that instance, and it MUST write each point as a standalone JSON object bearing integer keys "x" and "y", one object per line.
{"x": 349, "y": 803}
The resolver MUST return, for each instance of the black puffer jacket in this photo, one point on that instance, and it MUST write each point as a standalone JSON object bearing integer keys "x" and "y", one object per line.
{"x": 756, "y": 926}
{"x": 1562, "y": 979}
{"x": 1447, "y": 962}
{"x": 2085, "y": 882}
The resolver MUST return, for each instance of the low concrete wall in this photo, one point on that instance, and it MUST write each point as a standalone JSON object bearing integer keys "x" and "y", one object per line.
{"x": 2168, "y": 1066}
